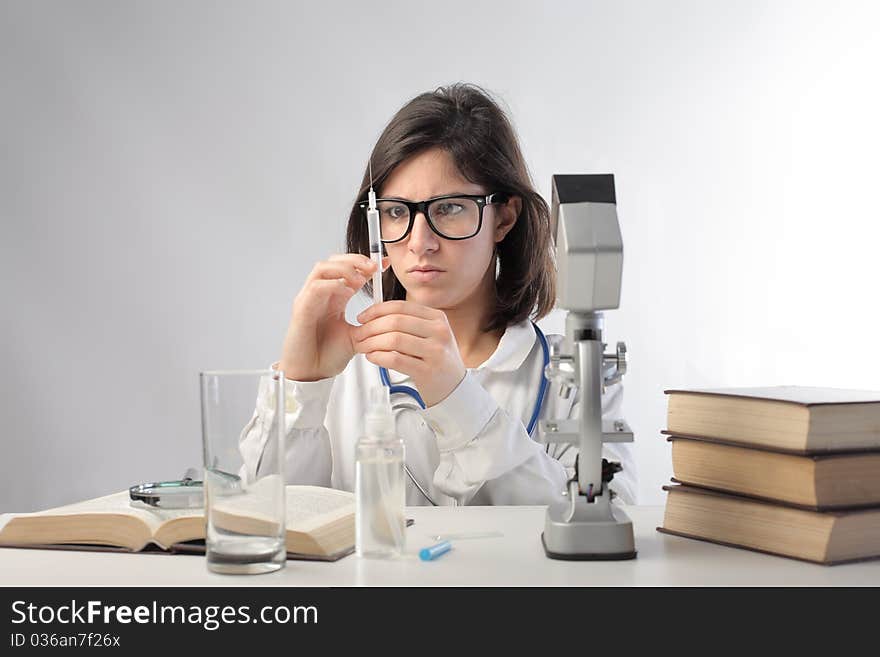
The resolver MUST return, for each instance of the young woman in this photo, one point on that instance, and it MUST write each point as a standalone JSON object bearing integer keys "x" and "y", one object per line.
{"x": 469, "y": 262}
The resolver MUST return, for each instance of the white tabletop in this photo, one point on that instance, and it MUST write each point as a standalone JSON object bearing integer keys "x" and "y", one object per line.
{"x": 515, "y": 559}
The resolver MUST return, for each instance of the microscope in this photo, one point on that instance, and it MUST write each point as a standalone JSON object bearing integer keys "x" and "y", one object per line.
{"x": 589, "y": 258}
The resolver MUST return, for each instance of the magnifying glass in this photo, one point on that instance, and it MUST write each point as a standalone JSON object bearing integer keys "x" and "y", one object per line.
{"x": 186, "y": 493}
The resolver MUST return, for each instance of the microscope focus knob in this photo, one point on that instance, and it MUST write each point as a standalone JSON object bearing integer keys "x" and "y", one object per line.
{"x": 615, "y": 364}
{"x": 561, "y": 370}
{"x": 621, "y": 358}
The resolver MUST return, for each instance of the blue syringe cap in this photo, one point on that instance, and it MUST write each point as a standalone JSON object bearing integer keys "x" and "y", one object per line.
{"x": 433, "y": 551}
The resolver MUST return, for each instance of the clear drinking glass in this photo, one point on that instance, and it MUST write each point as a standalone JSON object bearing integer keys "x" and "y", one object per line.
{"x": 244, "y": 503}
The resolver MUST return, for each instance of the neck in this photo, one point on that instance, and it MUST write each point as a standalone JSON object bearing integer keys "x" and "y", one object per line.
{"x": 468, "y": 318}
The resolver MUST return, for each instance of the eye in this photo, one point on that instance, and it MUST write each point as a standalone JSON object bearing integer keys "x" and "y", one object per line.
{"x": 448, "y": 209}
{"x": 394, "y": 212}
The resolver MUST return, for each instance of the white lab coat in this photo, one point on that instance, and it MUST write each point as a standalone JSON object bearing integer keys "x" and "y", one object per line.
{"x": 471, "y": 448}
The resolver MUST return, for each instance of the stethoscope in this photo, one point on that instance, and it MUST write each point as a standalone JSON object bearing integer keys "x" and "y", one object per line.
{"x": 412, "y": 392}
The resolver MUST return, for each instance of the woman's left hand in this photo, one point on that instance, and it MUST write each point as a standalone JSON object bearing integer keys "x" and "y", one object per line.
{"x": 413, "y": 339}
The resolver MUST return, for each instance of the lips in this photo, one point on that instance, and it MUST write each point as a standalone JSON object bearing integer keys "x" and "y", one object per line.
{"x": 424, "y": 274}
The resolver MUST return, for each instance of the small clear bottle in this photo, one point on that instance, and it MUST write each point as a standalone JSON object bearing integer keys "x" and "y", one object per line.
{"x": 380, "y": 489}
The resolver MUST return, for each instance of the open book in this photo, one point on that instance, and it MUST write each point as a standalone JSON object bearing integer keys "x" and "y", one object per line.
{"x": 320, "y": 525}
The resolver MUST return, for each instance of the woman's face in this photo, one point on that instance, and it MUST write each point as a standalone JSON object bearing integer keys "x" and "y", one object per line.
{"x": 462, "y": 270}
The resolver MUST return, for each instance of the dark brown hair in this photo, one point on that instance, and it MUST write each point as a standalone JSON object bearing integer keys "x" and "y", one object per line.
{"x": 464, "y": 120}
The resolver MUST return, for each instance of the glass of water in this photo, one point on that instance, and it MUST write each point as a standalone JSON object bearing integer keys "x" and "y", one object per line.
{"x": 244, "y": 502}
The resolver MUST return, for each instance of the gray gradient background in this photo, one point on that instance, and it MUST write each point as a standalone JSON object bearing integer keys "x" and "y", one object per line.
{"x": 170, "y": 171}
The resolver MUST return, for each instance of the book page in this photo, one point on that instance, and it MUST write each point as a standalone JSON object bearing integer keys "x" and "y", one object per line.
{"x": 312, "y": 506}
{"x": 307, "y": 507}
{"x": 117, "y": 503}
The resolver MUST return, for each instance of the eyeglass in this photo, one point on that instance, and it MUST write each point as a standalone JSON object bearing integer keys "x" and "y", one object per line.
{"x": 452, "y": 217}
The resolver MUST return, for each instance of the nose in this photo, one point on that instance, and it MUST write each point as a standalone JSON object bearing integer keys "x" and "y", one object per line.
{"x": 422, "y": 239}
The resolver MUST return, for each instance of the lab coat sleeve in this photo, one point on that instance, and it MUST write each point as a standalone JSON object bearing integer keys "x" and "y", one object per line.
{"x": 306, "y": 457}
{"x": 484, "y": 450}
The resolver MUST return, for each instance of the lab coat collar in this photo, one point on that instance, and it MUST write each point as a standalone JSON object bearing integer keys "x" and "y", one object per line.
{"x": 515, "y": 344}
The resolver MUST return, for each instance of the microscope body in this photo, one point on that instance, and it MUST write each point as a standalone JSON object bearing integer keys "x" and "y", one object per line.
{"x": 589, "y": 255}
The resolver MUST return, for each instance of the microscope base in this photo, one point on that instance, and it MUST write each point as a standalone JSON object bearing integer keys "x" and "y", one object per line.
{"x": 598, "y": 539}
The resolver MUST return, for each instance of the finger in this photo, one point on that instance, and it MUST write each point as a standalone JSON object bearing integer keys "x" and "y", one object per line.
{"x": 335, "y": 269}
{"x": 417, "y": 326}
{"x": 330, "y": 287}
{"x": 398, "y": 362}
{"x": 357, "y": 260}
{"x": 403, "y": 343}
{"x": 386, "y": 262}
{"x": 398, "y": 307}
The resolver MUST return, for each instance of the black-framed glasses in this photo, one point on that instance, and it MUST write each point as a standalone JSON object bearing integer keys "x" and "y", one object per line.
{"x": 452, "y": 217}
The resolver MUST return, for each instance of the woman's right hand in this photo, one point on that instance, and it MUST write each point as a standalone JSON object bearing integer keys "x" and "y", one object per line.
{"x": 317, "y": 344}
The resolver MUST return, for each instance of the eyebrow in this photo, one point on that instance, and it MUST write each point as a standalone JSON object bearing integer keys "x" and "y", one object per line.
{"x": 456, "y": 193}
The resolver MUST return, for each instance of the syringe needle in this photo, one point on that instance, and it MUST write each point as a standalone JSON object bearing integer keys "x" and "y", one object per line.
{"x": 466, "y": 535}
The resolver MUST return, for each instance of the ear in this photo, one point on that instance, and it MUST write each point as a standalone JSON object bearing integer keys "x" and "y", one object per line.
{"x": 507, "y": 214}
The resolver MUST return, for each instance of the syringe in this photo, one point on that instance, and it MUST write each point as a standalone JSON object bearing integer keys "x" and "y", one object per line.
{"x": 375, "y": 241}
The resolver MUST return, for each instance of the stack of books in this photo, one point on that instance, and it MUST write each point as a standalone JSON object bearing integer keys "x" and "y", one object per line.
{"x": 787, "y": 470}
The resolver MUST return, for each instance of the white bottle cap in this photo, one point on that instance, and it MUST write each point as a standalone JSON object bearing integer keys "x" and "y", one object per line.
{"x": 379, "y": 420}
